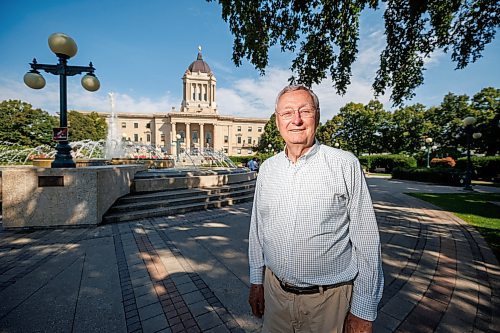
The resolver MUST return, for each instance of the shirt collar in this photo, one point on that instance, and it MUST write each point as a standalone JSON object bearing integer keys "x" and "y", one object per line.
{"x": 308, "y": 155}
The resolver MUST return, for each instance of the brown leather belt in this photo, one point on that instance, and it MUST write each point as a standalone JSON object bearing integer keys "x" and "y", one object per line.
{"x": 289, "y": 288}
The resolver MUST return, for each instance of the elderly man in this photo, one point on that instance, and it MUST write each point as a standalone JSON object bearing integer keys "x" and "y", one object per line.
{"x": 314, "y": 251}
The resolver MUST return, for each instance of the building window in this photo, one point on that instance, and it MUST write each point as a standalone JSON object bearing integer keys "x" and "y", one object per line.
{"x": 258, "y": 140}
{"x": 238, "y": 128}
{"x": 249, "y": 152}
{"x": 259, "y": 129}
{"x": 148, "y": 125}
{"x": 195, "y": 136}
{"x": 124, "y": 125}
{"x": 249, "y": 128}
{"x": 239, "y": 139}
{"x": 162, "y": 137}
{"x": 136, "y": 137}
{"x": 226, "y": 139}
{"x": 225, "y": 150}
{"x": 249, "y": 140}
{"x": 239, "y": 151}
{"x": 136, "y": 125}
{"x": 148, "y": 137}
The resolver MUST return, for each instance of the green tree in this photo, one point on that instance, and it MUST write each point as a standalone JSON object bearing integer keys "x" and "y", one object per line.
{"x": 446, "y": 123}
{"x": 487, "y": 104}
{"x": 271, "y": 136}
{"x": 22, "y": 124}
{"x": 357, "y": 128}
{"x": 323, "y": 35}
{"x": 86, "y": 126}
{"x": 328, "y": 133}
{"x": 363, "y": 128}
{"x": 408, "y": 128}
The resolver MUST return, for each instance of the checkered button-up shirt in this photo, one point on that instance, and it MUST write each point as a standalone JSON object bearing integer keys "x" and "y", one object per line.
{"x": 313, "y": 223}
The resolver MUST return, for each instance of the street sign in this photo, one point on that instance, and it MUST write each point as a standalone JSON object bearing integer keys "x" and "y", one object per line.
{"x": 60, "y": 134}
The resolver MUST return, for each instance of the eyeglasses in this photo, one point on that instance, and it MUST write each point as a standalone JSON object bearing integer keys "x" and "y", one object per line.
{"x": 305, "y": 112}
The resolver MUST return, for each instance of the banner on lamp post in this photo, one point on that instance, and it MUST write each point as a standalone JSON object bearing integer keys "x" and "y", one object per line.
{"x": 60, "y": 134}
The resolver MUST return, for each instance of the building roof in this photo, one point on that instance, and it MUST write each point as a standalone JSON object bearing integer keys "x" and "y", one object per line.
{"x": 199, "y": 65}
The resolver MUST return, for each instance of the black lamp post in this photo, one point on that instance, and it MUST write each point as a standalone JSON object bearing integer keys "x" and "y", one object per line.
{"x": 428, "y": 144}
{"x": 64, "y": 47}
{"x": 468, "y": 124}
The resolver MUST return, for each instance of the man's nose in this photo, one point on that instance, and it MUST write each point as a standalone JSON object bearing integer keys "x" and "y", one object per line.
{"x": 297, "y": 119}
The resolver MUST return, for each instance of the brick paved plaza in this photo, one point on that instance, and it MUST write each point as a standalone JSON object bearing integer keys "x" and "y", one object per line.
{"x": 189, "y": 273}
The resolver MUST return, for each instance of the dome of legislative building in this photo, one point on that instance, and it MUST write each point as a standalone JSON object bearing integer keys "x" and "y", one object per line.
{"x": 199, "y": 65}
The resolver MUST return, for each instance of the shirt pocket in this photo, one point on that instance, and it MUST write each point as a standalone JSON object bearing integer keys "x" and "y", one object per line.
{"x": 330, "y": 212}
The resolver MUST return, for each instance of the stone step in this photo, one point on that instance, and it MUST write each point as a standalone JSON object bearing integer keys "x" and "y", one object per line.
{"x": 172, "y": 199}
{"x": 165, "y": 195}
{"x": 173, "y": 210}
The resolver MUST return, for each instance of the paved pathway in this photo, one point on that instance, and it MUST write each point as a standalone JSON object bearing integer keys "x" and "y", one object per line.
{"x": 189, "y": 273}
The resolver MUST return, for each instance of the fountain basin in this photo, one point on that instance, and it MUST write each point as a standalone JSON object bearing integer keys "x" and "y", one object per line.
{"x": 150, "y": 163}
{"x": 80, "y": 163}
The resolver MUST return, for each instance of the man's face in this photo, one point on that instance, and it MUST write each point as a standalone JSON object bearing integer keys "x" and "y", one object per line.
{"x": 298, "y": 130}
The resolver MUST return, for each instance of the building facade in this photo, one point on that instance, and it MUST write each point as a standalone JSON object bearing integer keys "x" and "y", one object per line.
{"x": 197, "y": 121}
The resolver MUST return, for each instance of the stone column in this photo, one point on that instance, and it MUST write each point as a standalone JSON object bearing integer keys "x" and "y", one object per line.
{"x": 229, "y": 139}
{"x": 202, "y": 137}
{"x": 173, "y": 137}
{"x": 188, "y": 136}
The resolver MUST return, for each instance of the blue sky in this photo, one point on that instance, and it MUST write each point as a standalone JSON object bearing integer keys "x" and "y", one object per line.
{"x": 140, "y": 50}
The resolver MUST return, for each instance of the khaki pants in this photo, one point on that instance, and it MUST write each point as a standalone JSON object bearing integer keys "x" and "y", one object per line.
{"x": 315, "y": 313}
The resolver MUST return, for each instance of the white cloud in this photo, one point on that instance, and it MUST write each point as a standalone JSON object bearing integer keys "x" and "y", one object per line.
{"x": 80, "y": 99}
{"x": 252, "y": 97}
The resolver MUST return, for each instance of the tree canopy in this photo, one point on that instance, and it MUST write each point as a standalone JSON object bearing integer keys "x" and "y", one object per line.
{"x": 22, "y": 124}
{"x": 324, "y": 35}
{"x": 86, "y": 126}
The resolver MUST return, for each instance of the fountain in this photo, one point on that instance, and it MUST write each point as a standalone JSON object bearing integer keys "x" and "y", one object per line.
{"x": 114, "y": 148}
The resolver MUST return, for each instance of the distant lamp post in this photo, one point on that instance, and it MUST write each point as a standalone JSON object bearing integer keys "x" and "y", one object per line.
{"x": 468, "y": 123}
{"x": 64, "y": 47}
{"x": 428, "y": 145}
{"x": 177, "y": 145}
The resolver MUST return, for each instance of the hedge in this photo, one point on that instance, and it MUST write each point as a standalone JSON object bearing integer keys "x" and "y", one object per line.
{"x": 486, "y": 167}
{"x": 241, "y": 160}
{"x": 388, "y": 162}
{"x": 446, "y": 176}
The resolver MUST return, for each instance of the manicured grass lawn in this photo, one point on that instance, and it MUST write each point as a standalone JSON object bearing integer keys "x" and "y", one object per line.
{"x": 474, "y": 208}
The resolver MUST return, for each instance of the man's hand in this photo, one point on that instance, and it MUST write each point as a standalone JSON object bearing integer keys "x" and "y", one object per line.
{"x": 355, "y": 324}
{"x": 256, "y": 299}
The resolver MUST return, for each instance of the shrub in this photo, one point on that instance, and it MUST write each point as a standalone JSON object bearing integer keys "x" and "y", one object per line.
{"x": 241, "y": 160}
{"x": 388, "y": 162}
{"x": 486, "y": 167}
{"x": 447, "y": 162}
{"x": 446, "y": 176}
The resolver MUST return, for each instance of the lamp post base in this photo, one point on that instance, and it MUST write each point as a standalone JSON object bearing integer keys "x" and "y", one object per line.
{"x": 63, "y": 158}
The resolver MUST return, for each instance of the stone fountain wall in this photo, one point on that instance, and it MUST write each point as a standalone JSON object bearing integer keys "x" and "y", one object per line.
{"x": 42, "y": 197}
